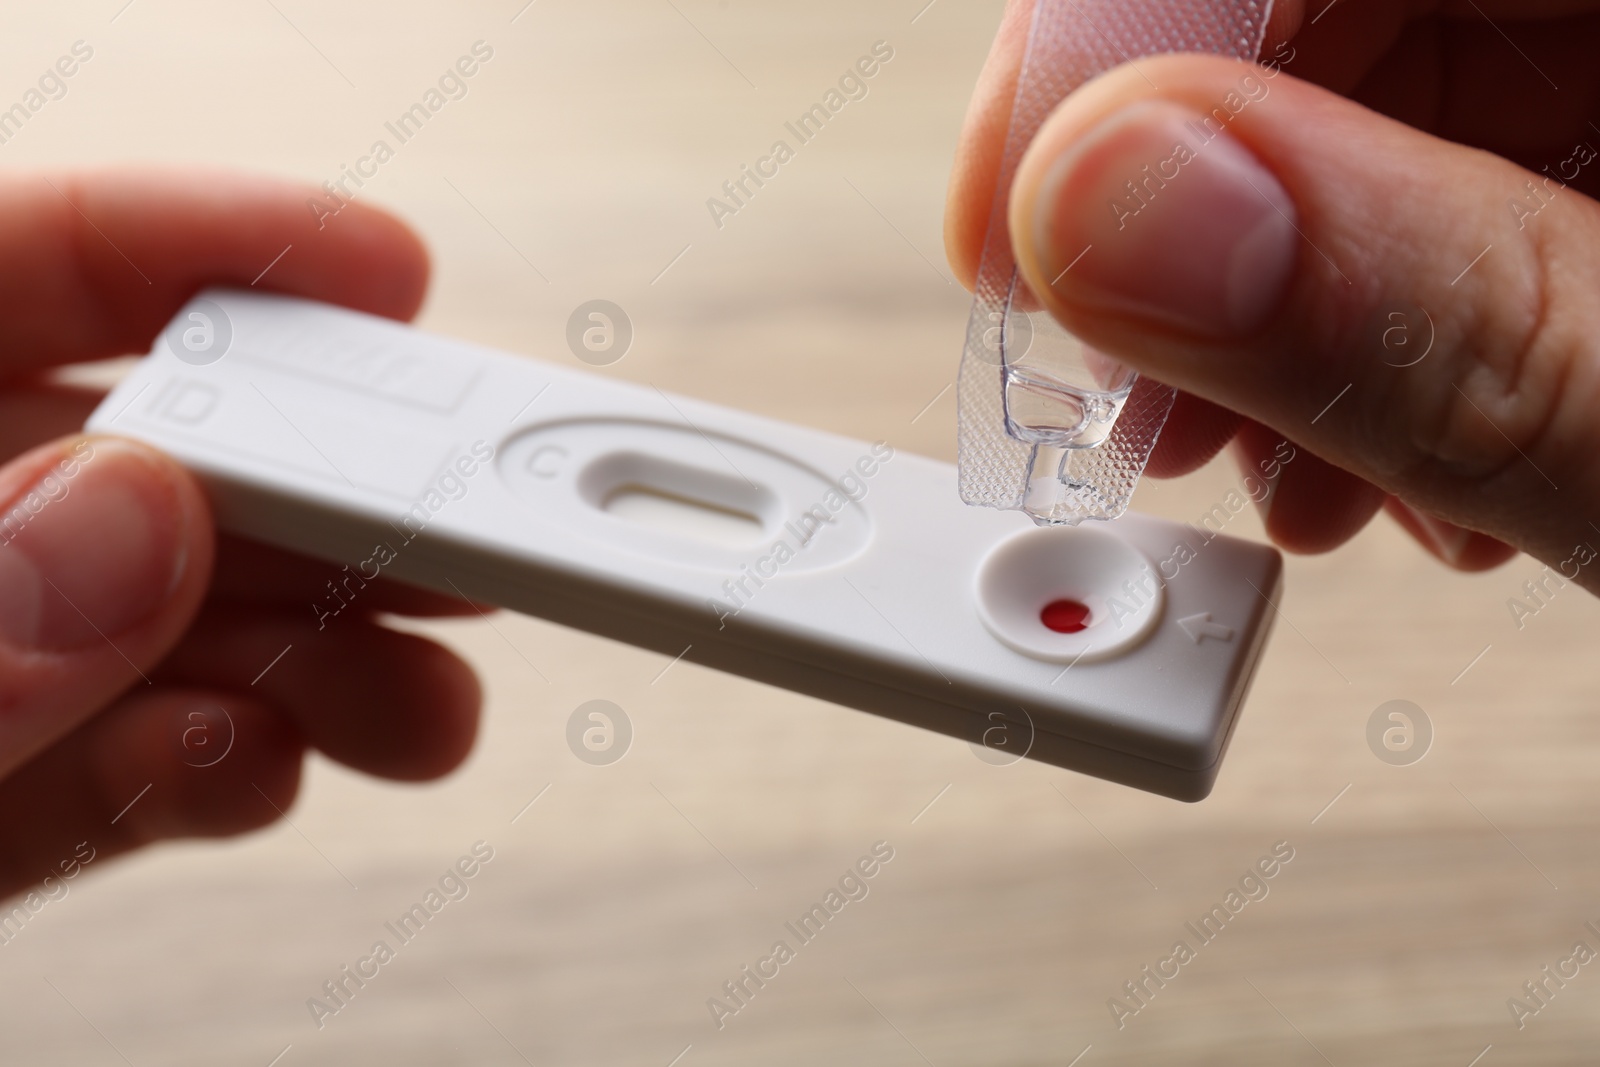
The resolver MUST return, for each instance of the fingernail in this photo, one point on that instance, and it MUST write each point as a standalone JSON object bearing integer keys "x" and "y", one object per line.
{"x": 93, "y": 545}
{"x": 1449, "y": 540}
{"x": 1173, "y": 220}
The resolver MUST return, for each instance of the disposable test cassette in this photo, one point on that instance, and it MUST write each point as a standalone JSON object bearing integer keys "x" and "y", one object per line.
{"x": 845, "y": 570}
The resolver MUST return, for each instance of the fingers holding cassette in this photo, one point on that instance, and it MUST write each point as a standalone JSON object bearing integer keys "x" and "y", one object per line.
{"x": 33, "y": 412}
{"x": 38, "y": 411}
{"x": 252, "y": 572}
{"x": 72, "y": 239}
{"x": 383, "y": 702}
{"x": 162, "y": 763}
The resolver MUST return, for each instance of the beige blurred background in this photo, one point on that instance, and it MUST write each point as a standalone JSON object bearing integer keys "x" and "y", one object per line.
{"x": 1019, "y": 901}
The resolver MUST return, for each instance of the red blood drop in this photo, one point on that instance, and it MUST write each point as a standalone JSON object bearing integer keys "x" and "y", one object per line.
{"x": 1065, "y": 616}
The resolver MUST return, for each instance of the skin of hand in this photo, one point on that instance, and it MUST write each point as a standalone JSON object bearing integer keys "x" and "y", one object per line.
{"x": 1382, "y": 250}
{"x": 126, "y": 622}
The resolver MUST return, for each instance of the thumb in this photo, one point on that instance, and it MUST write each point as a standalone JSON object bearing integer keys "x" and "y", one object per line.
{"x": 1411, "y": 310}
{"x": 105, "y": 554}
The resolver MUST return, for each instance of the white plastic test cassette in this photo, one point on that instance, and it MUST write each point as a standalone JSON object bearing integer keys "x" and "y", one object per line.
{"x": 848, "y": 571}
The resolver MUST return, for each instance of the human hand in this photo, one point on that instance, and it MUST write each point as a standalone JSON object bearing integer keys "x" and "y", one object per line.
{"x": 125, "y": 622}
{"x": 1318, "y": 273}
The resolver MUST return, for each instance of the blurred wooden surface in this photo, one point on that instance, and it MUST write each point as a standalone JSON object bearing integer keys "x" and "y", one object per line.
{"x": 1021, "y": 900}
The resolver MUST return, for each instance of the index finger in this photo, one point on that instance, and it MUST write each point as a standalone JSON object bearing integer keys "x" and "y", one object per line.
{"x": 94, "y": 265}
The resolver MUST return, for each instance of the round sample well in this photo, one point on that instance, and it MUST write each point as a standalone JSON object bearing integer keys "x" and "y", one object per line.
{"x": 1069, "y": 594}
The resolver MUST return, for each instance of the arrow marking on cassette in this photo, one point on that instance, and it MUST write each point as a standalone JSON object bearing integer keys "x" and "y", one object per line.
{"x": 1199, "y": 627}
